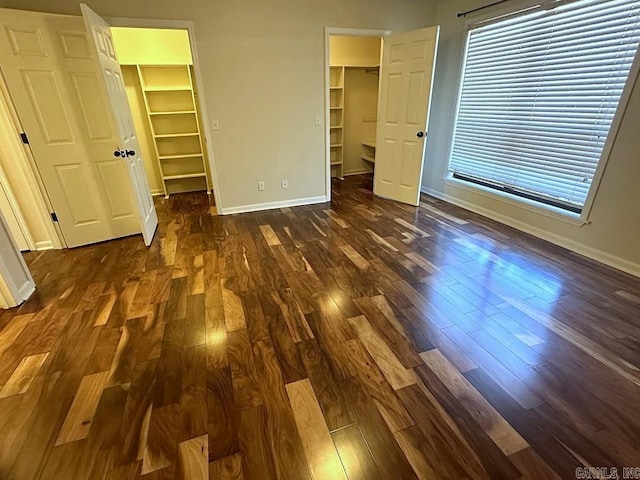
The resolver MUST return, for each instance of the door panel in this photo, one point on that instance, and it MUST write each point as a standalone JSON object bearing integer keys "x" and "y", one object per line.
{"x": 26, "y": 41}
{"x": 101, "y": 40}
{"x": 44, "y": 96}
{"x": 111, "y": 171}
{"x": 75, "y": 45}
{"x": 55, "y": 84}
{"x": 406, "y": 77}
{"x": 78, "y": 195}
{"x": 94, "y": 115}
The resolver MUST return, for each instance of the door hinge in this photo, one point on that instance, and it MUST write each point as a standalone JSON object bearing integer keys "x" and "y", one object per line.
{"x": 54, "y": 217}
{"x": 24, "y": 138}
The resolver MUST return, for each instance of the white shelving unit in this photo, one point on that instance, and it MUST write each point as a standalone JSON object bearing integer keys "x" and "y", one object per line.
{"x": 336, "y": 119}
{"x": 369, "y": 151}
{"x": 170, "y": 102}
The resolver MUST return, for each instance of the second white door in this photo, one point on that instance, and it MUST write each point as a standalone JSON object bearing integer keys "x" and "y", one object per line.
{"x": 101, "y": 41}
{"x": 406, "y": 78}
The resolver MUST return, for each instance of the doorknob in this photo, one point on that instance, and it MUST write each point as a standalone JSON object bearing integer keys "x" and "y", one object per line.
{"x": 421, "y": 134}
{"x": 130, "y": 153}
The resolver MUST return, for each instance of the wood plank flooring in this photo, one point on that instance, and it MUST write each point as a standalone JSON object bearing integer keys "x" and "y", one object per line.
{"x": 360, "y": 339}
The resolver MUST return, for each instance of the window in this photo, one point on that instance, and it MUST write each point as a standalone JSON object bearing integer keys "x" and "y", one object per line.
{"x": 539, "y": 93}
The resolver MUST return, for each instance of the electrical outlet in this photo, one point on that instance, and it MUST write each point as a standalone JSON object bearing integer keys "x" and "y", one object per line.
{"x": 215, "y": 124}
{"x": 285, "y": 183}
{"x": 261, "y": 186}
{"x": 318, "y": 120}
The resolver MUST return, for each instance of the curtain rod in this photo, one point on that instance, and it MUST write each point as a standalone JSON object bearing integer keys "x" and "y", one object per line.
{"x": 464, "y": 14}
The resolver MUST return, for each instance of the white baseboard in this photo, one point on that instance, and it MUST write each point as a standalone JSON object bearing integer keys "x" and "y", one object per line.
{"x": 272, "y": 205}
{"x": 157, "y": 193}
{"x": 45, "y": 245}
{"x": 26, "y": 291}
{"x": 592, "y": 253}
{"x": 356, "y": 172}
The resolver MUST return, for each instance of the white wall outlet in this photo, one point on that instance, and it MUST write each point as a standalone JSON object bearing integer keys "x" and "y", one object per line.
{"x": 285, "y": 183}
{"x": 261, "y": 186}
{"x": 318, "y": 120}
{"x": 215, "y": 124}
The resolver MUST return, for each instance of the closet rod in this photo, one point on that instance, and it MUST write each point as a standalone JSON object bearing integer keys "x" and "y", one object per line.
{"x": 464, "y": 14}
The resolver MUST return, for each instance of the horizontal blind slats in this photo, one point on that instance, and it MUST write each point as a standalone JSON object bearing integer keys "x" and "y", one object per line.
{"x": 539, "y": 94}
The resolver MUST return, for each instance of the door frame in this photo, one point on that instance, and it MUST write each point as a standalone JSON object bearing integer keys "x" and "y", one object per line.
{"x": 15, "y": 286}
{"x": 328, "y": 33}
{"x": 25, "y": 168}
{"x": 14, "y": 210}
{"x": 202, "y": 104}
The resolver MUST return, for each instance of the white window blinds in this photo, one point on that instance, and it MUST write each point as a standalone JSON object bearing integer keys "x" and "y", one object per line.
{"x": 539, "y": 93}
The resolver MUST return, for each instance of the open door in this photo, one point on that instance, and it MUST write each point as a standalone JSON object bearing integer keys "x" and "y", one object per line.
{"x": 129, "y": 150}
{"x": 406, "y": 78}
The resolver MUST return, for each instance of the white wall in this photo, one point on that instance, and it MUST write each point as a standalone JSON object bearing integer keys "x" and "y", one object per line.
{"x": 355, "y": 51}
{"x": 152, "y": 46}
{"x": 262, "y": 63}
{"x": 360, "y": 113}
{"x": 612, "y": 236}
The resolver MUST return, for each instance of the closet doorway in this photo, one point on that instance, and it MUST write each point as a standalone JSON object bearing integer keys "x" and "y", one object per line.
{"x": 379, "y": 124}
{"x": 158, "y": 72}
{"x": 353, "y": 103}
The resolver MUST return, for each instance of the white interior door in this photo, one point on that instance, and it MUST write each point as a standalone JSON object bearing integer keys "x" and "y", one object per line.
{"x": 129, "y": 150}
{"x": 406, "y": 78}
{"x": 55, "y": 86}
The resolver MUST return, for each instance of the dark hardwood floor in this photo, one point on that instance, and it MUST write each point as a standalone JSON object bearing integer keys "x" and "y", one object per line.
{"x": 361, "y": 339}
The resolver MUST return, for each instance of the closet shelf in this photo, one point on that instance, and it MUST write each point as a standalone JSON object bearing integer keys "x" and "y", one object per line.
{"x": 173, "y": 135}
{"x": 175, "y": 112}
{"x": 182, "y": 155}
{"x": 335, "y": 127}
{"x": 370, "y": 154}
{"x": 167, "y": 89}
{"x": 336, "y": 163}
{"x": 336, "y": 88}
{"x": 336, "y": 145}
{"x": 186, "y": 175}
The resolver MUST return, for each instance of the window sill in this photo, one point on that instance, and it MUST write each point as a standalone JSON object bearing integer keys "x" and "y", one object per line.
{"x": 549, "y": 211}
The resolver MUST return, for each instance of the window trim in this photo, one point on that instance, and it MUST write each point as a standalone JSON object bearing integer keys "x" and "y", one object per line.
{"x": 583, "y": 218}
